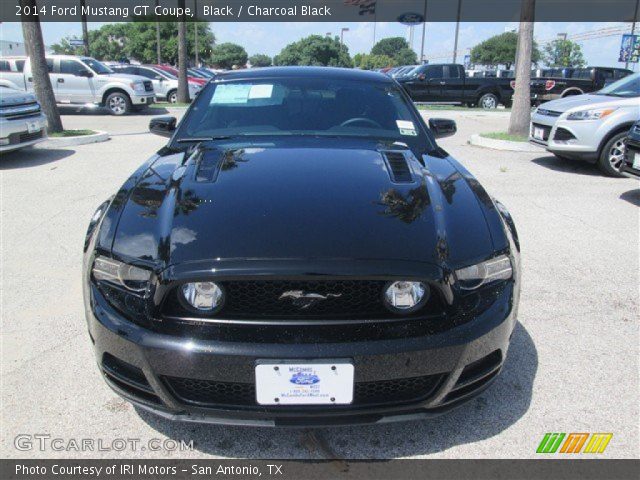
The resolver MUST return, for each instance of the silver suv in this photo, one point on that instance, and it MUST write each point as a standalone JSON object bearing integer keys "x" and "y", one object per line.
{"x": 590, "y": 127}
{"x": 22, "y": 123}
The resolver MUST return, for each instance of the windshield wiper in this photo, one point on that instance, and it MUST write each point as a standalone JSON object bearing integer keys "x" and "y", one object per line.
{"x": 204, "y": 139}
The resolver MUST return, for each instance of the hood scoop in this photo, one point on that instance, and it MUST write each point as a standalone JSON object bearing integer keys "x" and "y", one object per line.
{"x": 397, "y": 166}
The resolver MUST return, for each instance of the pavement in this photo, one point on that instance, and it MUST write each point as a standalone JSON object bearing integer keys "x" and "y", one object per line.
{"x": 572, "y": 365}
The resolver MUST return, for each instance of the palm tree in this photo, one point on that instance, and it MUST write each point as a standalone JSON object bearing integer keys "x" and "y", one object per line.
{"x": 85, "y": 30}
{"x": 158, "y": 50}
{"x": 34, "y": 46}
{"x": 521, "y": 111}
{"x": 183, "y": 86}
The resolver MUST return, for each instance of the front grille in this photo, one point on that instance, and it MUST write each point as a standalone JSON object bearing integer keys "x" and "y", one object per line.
{"x": 256, "y": 299}
{"x": 16, "y": 112}
{"x": 148, "y": 86}
{"x": 384, "y": 392}
{"x": 16, "y": 138}
{"x": 548, "y": 113}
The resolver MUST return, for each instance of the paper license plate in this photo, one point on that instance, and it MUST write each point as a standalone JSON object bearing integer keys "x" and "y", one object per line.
{"x": 33, "y": 127}
{"x": 636, "y": 161}
{"x": 538, "y": 133}
{"x": 285, "y": 383}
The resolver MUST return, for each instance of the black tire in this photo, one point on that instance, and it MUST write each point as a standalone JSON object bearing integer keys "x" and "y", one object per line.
{"x": 118, "y": 103}
{"x": 172, "y": 96}
{"x": 488, "y": 101}
{"x": 612, "y": 155}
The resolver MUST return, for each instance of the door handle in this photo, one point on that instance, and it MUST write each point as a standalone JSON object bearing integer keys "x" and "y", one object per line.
{"x": 443, "y": 83}
{"x": 61, "y": 80}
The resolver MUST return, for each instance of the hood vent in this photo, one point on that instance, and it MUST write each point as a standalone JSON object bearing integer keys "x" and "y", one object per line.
{"x": 398, "y": 167}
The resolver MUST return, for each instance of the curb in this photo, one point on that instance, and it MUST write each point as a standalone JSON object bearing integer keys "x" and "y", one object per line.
{"x": 51, "y": 142}
{"x": 506, "y": 145}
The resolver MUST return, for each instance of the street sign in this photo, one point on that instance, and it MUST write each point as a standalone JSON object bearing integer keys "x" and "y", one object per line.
{"x": 630, "y": 49}
{"x": 76, "y": 42}
{"x": 411, "y": 18}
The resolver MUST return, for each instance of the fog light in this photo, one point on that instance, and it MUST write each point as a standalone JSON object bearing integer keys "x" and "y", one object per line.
{"x": 406, "y": 297}
{"x": 203, "y": 296}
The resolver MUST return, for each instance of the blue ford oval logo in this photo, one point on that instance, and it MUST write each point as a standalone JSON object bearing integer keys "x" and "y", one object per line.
{"x": 304, "y": 379}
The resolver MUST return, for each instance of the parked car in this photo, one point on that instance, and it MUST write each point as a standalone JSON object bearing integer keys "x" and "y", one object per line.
{"x": 631, "y": 161}
{"x": 449, "y": 84}
{"x": 165, "y": 85}
{"x": 22, "y": 122}
{"x": 590, "y": 127}
{"x": 401, "y": 71}
{"x": 564, "y": 82}
{"x": 311, "y": 256}
{"x": 205, "y": 72}
{"x": 174, "y": 71}
{"x": 84, "y": 80}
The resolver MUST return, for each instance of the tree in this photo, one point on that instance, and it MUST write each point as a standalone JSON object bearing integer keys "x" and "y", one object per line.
{"x": 138, "y": 40}
{"x": 228, "y": 55}
{"x": 398, "y": 49}
{"x": 315, "y": 50}
{"x": 372, "y": 62}
{"x": 500, "y": 50}
{"x": 183, "y": 86}
{"x": 563, "y": 53}
{"x": 521, "y": 111}
{"x": 260, "y": 60}
{"x": 34, "y": 46}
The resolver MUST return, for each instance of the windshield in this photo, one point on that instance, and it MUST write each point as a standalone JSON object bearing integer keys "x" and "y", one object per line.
{"x": 96, "y": 66}
{"x": 166, "y": 74}
{"x": 301, "y": 106}
{"x": 627, "y": 87}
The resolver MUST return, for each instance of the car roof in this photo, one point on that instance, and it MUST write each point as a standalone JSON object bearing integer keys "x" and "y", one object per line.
{"x": 311, "y": 72}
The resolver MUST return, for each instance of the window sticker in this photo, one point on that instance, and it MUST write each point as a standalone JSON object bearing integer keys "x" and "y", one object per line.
{"x": 231, "y": 94}
{"x": 261, "y": 91}
{"x": 406, "y": 127}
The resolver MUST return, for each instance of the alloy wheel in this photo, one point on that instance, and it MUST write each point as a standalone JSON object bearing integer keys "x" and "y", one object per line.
{"x": 117, "y": 104}
{"x": 616, "y": 154}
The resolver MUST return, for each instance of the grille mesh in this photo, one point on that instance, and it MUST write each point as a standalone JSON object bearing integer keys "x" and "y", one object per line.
{"x": 277, "y": 299}
{"x": 210, "y": 392}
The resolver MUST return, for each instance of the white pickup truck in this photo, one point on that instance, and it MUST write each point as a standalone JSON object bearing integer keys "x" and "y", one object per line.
{"x": 82, "y": 81}
{"x": 22, "y": 123}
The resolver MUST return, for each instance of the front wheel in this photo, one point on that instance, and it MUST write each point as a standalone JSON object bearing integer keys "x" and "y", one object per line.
{"x": 118, "y": 103}
{"x": 488, "y": 101}
{"x": 612, "y": 155}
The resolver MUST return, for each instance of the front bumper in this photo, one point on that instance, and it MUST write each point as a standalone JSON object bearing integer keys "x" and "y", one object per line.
{"x": 458, "y": 364}
{"x": 146, "y": 98}
{"x": 23, "y": 132}
{"x": 631, "y": 163}
{"x": 572, "y": 139}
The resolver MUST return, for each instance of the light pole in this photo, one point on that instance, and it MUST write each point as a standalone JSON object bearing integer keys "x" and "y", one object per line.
{"x": 342, "y": 30}
{"x": 455, "y": 42}
{"x": 633, "y": 26}
{"x": 424, "y": 28}
{"x": 195, "y": 36}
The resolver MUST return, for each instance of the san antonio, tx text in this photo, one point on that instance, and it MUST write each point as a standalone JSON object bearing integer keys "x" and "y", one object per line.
{"x": 149, "y": 469}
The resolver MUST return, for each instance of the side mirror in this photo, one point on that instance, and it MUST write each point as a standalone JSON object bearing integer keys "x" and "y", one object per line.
{"x": 84, "y": 73}
{"x": 159, "y": 78}
{"x": 163, "y": 126}
{"x": 442, "y": 127}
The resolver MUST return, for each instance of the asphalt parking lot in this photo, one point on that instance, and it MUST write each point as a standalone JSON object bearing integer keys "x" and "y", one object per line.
{"x": 572, "y": 366}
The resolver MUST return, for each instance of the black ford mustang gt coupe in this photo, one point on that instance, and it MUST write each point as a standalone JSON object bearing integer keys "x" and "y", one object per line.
{"x": 301, "y": 252}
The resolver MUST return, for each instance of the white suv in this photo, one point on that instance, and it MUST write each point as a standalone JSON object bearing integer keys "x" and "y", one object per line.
{"x": 164, "y": 83}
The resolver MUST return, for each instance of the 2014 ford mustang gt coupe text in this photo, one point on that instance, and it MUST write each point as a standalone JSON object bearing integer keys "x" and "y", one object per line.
{"x": 301, "y": 253}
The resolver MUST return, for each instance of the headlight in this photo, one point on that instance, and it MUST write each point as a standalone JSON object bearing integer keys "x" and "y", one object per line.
{"x": 406, "y": 297}
{"x": 595, "y": 114}
{"x": 498, "y": 268}
{"x": 130, "y": 277}
{"x": 137, "y": 86}
{"x": 203, "y": 296}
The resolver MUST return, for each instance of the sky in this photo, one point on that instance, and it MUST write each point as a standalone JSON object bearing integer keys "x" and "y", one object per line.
{"x": 270, "y": 38}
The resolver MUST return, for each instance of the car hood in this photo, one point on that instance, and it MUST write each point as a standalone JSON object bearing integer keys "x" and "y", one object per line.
{"x": 302, "y": 201}
{"x": 10, "y": 97}
{"x": 123, "y": 77}
{"x": 585, "y": 101}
